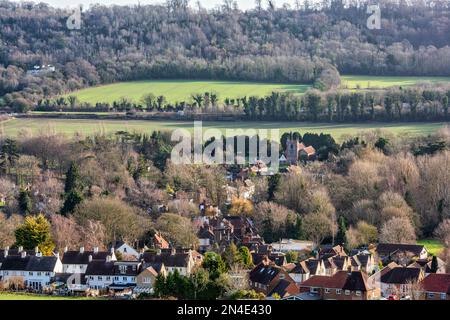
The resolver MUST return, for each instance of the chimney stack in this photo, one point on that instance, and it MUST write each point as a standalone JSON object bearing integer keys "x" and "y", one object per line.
{"x": 112, "y": 251}
{"x": 81, "y": 249}
{"x": 108, "y": 258}
{"x": 36, "y": 250}
{"x": 173, "y": 252}
{"x": 90, "y": 258}
{"x": 23, "y": 254}
{"x": 95, "y": 250}
{"x": 158, "y": 252}
{"x": 5, "y": 252}
{"x": 20, "y": 249}
{"x": 66, "y": 248}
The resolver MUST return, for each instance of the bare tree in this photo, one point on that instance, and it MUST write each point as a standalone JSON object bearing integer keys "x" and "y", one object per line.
{"x": 398, "y": 230}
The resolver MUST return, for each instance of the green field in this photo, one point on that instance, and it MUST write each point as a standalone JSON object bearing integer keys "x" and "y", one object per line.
{"x": 434, "y": 247}
{"x": 181, "y": 90}
{"x": 23, "y": 296}
{"x": 373, "y": 82}
{"x": 71, "y": 126}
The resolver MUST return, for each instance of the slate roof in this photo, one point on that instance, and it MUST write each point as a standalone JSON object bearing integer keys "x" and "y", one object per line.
{"x": 356, "y": 281}
{"x": 75, "y": 257}
{"x": 339, "y": 262}
{"x": 281, "y": 288}
{"x": 312, "y": 265}
{"x": 100, "y": 268}
{"x": 126, "y": 269}
{"x": 300, "y": 268}
{"x": 264, "y": 274}
{"x": 401, "y": 275}
{"x": 29, "y": 263}
{"x": 387, "y": 249}
{"x": 437, "y": 283}
{"x": 179, "y": 259}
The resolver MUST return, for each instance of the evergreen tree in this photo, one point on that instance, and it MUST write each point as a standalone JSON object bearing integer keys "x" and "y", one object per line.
{"x": 35, "y": 232}
{"x": 434, "y": 265}
{"x": 25, "y": 203}
{"x": 274, "y": 182}
{"x": 245, "y": 257}
{"x": 73, "y": 199}
{"x": 342, "y": 229}
{"x": 73, "y": 190}
{"x": 72, "y": 179}
{"x": 9, "y": 153}
{"x": 299, "y": 235}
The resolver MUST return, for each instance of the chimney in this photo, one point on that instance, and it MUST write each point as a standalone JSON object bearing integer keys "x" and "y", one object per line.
{"x": 5, "y": 252}
{"x": 173, "y": 251}
{"x": 23, "y": 254}
{"x": 36, "y": 250}
{"x": 90, "y": 258}
{"x": 38, "y": 254}
{"x": 66, "y": 249}
{"x": 108, "y": 258}
{"x": 95, "y": 250}
{"x": 112, "y": 251}
{"x": 20, "y": 249}
{"x": 81, "y": 249}
{"x": 158, "y": 252}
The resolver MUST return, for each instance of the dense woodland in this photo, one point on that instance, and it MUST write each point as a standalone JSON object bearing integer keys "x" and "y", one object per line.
{"x": 94, "y": 190}
{"x": 303, "y": 44}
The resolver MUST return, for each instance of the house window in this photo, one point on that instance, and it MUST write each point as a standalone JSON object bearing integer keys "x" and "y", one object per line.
{"x": 358, "y": 293}
{"x": 100, "y": 278}
{"x": 327, "y": 290}
{"x": 108, "y": 278}
{"x": 38, "y": 273}
{"x": 314, "y": 290}
{"x": 347, "y": 292}
{"x": 443, "y": 296}
{"x": 124, "y": 278}
{"x": 338, "y": 291}
{"x": 30, "y": 273}
{"x": 430, "y": 295}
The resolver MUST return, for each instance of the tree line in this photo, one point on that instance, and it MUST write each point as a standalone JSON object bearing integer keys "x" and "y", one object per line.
{"x": 278, "y": 44}
{"x": 417, "y": 103}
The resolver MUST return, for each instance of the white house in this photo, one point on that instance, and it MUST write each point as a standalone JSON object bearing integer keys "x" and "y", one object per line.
{"x": 77, "y": 261}
{"x": 182, "y": 261}
{"x": 125, "y": 250}
{"x": 112, "y": 274}
{"x": 34, "y": 271}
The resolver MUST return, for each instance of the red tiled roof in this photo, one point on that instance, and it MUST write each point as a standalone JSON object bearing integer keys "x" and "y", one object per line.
{"x": 309, "y": 150}
{"x": 336, "y": 281}
{"x": 437, "y": 282}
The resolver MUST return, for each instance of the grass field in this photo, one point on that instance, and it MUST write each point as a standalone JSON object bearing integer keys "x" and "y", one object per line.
{"x": 22, "y": 296}
{"x": 433, "y": 246}
{"x": 181, "y": 90}
{"x": 71, "y": 126}
{"x": 373, "y": 82}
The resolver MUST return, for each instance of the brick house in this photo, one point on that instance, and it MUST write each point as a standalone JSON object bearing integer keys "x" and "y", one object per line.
{"x": 341, "y": 286}
{"x": 271, "y": 279}
{"x": 436, "y": 286}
